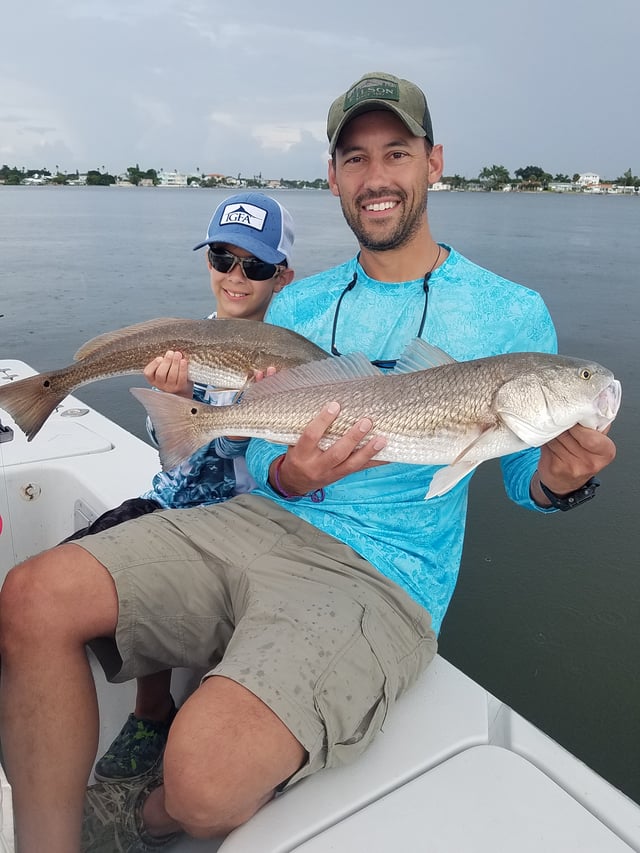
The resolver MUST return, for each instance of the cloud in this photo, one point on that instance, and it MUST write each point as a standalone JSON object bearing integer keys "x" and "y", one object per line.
{"x": 30, "y": 124}
{"x": 116, "y": 11}
{"x": 185, "y": 82}
{"x": 280, "y": 137}
{"x": 151, "y": 110}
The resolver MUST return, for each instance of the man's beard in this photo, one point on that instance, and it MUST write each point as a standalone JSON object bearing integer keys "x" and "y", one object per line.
{"x": 406, "y": 229}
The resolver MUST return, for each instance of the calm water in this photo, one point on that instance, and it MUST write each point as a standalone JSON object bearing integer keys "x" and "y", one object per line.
{"x": 546, "y": 613}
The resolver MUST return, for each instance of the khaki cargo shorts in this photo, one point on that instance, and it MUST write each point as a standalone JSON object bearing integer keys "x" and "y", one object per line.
{"x": 247, "y": 590}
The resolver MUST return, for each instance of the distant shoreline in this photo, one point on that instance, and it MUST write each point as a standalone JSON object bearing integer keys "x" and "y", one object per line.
{"x": 627, "y": 191}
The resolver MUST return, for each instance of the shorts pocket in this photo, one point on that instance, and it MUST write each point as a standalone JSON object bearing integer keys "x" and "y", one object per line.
{"x": 355, "y": 692}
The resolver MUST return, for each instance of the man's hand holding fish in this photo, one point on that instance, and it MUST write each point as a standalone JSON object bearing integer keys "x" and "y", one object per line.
{"x": 306, "y": 467}
{"x": 570, "y": 460}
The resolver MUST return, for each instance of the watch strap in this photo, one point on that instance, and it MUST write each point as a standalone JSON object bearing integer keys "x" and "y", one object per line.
{"x": 573, "y": 499}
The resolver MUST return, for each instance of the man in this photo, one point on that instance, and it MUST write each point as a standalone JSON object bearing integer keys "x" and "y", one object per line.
{"x": 311, "y": 599}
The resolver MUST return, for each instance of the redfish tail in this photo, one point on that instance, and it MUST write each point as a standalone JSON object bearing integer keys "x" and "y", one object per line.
{"x": 30, "y": 401}
{"x": 177, "y": 423}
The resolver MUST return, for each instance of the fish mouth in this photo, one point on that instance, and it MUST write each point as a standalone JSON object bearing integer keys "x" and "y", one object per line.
{"x": 609, "y": 399}
{"x": 603, "y": 407}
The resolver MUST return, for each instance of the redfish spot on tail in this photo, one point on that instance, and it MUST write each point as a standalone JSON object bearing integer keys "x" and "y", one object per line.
{"x": 175, "y": 424}
{"x": 30, "y": 401}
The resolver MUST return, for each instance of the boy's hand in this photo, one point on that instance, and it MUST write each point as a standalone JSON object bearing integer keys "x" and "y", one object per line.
{"x": 169, "y": 373}
{"x": 261, "y": 374}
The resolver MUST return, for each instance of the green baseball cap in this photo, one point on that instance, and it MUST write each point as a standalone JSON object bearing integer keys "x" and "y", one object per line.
{"x": 380, "y": 91}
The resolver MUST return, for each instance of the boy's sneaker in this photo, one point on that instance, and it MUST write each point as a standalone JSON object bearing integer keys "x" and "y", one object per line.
{"x": 112, "y": 818}
{"x": 136, "y": 750}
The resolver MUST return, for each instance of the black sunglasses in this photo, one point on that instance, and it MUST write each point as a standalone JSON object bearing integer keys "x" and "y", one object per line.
{"x": 253, "y": 268}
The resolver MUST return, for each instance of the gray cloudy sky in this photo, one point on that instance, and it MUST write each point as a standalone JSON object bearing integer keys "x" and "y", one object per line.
{"x": 245, "y": 86}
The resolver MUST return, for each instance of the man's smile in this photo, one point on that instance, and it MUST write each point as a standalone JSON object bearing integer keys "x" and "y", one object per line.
{"x": 380, "y": 205}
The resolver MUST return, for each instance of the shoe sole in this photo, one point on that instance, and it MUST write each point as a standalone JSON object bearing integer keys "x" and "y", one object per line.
{"x": 102, "y": 778}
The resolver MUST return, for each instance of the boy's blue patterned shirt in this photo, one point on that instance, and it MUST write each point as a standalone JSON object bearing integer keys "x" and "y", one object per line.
{"x": 212, "y": 474}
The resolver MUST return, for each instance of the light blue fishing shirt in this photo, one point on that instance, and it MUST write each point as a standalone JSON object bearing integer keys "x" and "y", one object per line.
{"x": 381, "y": 512}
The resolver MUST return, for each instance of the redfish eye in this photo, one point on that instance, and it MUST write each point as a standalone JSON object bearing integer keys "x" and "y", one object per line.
{"x": 585, "y": 373}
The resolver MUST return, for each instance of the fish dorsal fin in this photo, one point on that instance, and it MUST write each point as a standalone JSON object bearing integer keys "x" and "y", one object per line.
{"x": 108, "y": 338}
{"x": 420, "y": 355}
{"x": 327, "y": 371}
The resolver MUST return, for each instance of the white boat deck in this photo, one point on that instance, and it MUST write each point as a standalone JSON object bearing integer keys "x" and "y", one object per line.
{"x": 454, "y": 770}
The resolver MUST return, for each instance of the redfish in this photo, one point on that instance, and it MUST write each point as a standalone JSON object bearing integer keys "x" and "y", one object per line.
{"x": 224, "y": 353}
{"x": 455, "y": 414}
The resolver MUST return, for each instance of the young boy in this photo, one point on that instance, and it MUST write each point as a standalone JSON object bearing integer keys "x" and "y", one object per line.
{"x": 249, "y": 241}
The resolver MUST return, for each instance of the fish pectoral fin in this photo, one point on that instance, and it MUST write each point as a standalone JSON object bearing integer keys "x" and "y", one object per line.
{"x": 485, "y": 434}
{"x": 531, "y": 434}
{"x": 420, "y": 355}
{"x": 249, "y": 381}
{"x": 446, "y": 478}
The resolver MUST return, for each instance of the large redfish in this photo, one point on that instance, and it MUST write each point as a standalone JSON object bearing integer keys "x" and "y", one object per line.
{"x": 456, "y": 414}
{"x": 224, "y": 353}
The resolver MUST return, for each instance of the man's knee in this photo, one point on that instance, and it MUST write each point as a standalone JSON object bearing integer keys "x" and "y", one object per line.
{"x": 22, "y": 598}
{"x": 207, "y": 790}
{"x": 227, "y": 752}
{"x": 58, "y": 590}
{"x": 208, "y": 807}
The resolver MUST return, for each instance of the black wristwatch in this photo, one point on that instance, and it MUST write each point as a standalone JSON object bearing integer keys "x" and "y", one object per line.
{"x": 573, "y": 499}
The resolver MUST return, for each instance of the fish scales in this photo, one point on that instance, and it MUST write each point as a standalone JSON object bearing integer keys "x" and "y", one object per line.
{"x": 457, "y": 414}
{"x": 443, "y": 397}
{"x": 392, "y": 404}
{"x": 224, "y": 353}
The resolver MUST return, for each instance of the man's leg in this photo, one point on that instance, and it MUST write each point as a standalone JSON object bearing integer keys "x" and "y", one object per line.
{"x": 138, "y": 747}
{"x": 50, "y": 607}
{"x": 226, "y": 755}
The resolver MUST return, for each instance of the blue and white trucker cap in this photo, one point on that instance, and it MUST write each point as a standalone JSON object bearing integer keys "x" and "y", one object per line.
{"x": 256, "y": 223}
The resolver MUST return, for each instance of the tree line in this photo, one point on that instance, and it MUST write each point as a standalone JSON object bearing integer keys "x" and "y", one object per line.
{"x": 529, "y": 177}
{"x": 14, "y": 176}
{"x": 135, "y": 175}
{"x": 490, "y": 177}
